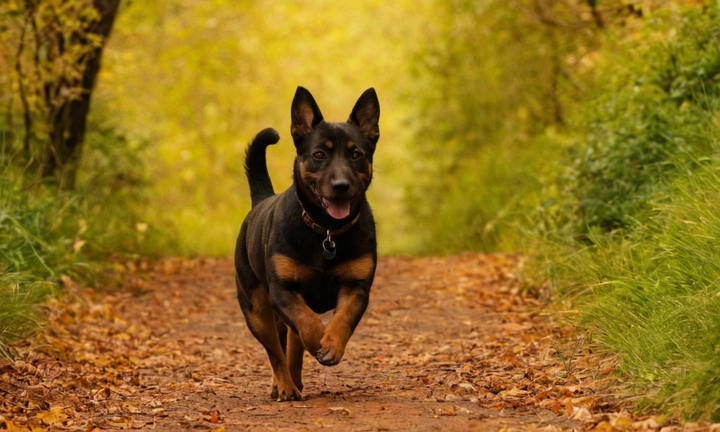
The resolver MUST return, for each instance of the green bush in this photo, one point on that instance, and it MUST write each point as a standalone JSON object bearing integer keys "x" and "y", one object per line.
{"x": 37, "y": 245}
{"x": 495, "y": 91}
{"x": 657, "y": 111}
{"x": 652, "y": 295}
{"x": 630, "y": 230}
{"x": 48, "y": 234}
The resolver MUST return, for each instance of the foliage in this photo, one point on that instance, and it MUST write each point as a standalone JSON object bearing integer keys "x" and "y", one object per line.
{"x": 49, "y": 235}
{"x": 56, "y": 47}
{"x": 658, "y": 111}
{"x": 223, "y": 70}
{"x": 498, "y": 77}
{"x": 36, "y": 245}
{"x": 629, "y": 230}
{"x": 27, "y": 257}
{"x": 653, "y": 296}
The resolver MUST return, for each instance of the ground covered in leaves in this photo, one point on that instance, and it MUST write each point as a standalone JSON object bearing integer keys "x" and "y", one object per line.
{"x": 446, "y": 344}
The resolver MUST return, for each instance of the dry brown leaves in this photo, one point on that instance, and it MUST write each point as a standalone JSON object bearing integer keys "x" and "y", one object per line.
{"x": 447, "y": 343}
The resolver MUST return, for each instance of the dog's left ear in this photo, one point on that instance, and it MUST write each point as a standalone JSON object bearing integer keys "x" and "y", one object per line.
{"x": 366, "y": 115}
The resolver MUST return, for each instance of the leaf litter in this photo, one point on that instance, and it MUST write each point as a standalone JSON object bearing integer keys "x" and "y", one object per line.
{"x": 448, "y": 343}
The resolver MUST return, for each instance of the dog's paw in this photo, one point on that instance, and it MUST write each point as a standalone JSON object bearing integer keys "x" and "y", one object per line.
{"x": 289, "y": 395}
{"x": 329, "y": 355}
{"x": 285, "y": 395}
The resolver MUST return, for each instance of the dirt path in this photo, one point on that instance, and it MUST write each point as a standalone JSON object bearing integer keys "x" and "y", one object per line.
{"x": 447, "y": 344}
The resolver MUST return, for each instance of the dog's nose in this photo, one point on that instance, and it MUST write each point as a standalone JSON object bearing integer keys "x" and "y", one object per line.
{"x": 340, "y": 185}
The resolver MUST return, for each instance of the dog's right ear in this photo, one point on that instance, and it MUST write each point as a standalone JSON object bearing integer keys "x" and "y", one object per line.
{"x": 304, "y": 114}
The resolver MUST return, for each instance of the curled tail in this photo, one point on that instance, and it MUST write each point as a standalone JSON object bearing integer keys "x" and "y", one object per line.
{"x": 256, "y": 167}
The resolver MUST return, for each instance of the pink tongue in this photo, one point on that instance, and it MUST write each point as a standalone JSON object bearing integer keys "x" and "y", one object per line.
{"x": 339, "y": 209}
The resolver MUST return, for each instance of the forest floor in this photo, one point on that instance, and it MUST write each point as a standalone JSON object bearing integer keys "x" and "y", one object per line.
{"x": 447, "y": 344}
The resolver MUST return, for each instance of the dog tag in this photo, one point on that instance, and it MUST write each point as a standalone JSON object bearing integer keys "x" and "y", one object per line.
{"x": 329, "y": 250}
{"x": 329, "y": 254}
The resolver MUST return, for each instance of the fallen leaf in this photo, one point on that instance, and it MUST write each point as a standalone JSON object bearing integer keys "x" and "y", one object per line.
{"x": 214, "y": 417}
{"x": 582, "y": 414}
{"x": 130, "y": 408}
{"x": 438, "y": 322}
{"x": 514, "y": 392}
{"x": 11, "y": 426}
{"x": 342, "y": 410}
{"x": 569, "y": 409}
{"x": 53, "y": 416}
{"x": 101, "y": 362}
{"x": 647, "y": 424}
{"x": 448, "y": 412}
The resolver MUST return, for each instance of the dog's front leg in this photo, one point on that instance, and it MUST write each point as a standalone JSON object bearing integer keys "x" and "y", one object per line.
{"x": 354, "y": 278}
{"x": 293, "y": 310}
{"x": 351, "y": 305}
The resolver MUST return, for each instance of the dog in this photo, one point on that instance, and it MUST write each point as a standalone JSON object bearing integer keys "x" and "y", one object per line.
{"x": 312, "y": 248}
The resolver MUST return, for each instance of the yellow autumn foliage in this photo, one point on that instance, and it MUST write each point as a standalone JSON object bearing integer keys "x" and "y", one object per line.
{"x": 197, "y": 80}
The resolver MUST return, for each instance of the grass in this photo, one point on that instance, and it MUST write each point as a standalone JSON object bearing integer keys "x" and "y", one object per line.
{"x": 654, "y": 296}
{"x": 629, "y": 230}
{"x": 48, "y": 235}
{"x": 35, "y": 249}
{"x": 18, "y": 316}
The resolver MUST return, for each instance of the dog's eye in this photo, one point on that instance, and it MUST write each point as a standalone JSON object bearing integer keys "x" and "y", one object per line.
{"x": 318, "y": 155}
{"x": 357, "y": 154}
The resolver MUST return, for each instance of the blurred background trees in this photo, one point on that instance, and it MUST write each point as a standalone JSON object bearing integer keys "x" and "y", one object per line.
{"x": 503, "y": 79}
{"x": 472, "y": 91}
{"x": 480, "y": 101}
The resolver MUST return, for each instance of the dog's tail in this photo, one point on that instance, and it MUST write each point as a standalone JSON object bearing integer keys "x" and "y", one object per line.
{"x": 256, "y": 167}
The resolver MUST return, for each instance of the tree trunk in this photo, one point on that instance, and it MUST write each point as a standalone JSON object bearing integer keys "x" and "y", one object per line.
{"x": 67, "y": 116}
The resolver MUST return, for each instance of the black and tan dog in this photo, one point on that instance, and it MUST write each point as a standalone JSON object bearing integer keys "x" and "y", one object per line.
{"x": 312, "y": 248}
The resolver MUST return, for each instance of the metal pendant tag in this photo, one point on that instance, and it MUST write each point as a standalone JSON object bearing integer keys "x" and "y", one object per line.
{"x": 328, "y": 245}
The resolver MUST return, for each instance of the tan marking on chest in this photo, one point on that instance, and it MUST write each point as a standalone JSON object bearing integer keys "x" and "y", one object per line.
{"x": 357, "y": 269}
{"x": 289, "y": 269}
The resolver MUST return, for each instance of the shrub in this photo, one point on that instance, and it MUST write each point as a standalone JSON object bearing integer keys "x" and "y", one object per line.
{"x": 631, "y": 228}
{"x": 656, "y": 112}
{"x": 48, "y": 234}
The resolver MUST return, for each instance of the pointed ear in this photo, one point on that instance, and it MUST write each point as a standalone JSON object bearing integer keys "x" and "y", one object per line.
{"x": 304, "y": 114}
{"x": 366, "y": 115}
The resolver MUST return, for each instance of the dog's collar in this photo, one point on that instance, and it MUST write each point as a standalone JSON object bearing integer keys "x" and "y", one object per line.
{"x": 328, "y": 244}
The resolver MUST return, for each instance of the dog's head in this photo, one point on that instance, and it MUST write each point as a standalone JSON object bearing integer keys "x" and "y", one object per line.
{"x": 334, "y": 160}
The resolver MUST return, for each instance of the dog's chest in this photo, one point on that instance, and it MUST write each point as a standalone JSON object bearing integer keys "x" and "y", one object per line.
{"x": 320, "y": 292}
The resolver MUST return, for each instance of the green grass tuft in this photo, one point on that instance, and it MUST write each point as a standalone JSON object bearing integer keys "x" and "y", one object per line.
{"x": 35, "y": 250}
{"x": 48, "y": 234}
{"x": 629, "y": 232}
{"x": 654, "y": 296}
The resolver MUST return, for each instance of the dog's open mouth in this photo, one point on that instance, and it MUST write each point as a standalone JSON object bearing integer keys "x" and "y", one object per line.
{"x": 337, "y": 208}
